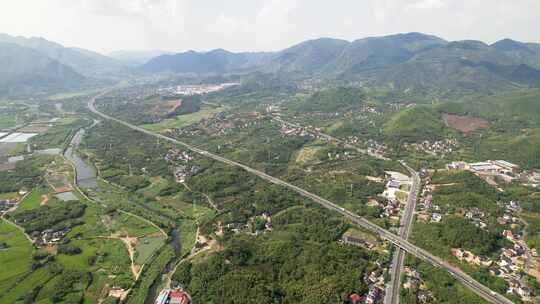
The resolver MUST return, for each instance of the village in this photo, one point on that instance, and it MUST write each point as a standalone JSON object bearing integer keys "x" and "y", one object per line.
{"x": 513, "y": 261}
{"x": 190, "y": 90}
{"x": 435, "y": 148}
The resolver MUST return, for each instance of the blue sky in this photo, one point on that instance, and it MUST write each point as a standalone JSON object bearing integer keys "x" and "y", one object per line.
{"x": 255, "y": 25}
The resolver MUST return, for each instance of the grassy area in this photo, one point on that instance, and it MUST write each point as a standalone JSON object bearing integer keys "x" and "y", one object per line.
{"x": 134, "y": 226}
{"x": 157, "y": 184}
{"x": 9, "y": 195}
{"x": 56, "y": 136}
{"x": 307, "y": 154}
{"x": 32, "y": 200}
{"x": 151, "y": 272}
{"x": 417, "y": 123}
{"x": 146, "y": 246}
{"x": 358, "y": 233}
{"x": 7, "y": 121}
{"x": 66, "y": 95}
{"x": 18, "y": 255}
{"x": 38, "y": 278}
{"x": 184, "y": 120}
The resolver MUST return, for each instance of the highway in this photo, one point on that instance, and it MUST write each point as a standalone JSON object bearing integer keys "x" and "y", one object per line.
{"x": 398, "y": 260}
{"x": 398, "y": 241}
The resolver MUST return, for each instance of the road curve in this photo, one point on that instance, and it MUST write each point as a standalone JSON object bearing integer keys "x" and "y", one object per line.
{"x": 398, "y": 241}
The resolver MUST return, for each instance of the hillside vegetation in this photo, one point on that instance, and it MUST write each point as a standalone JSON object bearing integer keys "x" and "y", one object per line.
{"x": 415, "y": 123}
{"x": 331, "y": 100}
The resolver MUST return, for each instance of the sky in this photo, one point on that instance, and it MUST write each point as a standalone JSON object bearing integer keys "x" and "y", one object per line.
{"x": 260, "y": 25}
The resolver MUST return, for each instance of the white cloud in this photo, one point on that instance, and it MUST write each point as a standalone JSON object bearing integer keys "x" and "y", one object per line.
{"x": 107, "y": 25}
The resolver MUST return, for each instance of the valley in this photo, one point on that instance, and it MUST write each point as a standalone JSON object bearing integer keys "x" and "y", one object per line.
{"x": 401, "y": 168}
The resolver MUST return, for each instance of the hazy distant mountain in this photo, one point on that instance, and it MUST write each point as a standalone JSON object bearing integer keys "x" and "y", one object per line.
{"x": 136, "y": 58}
{"x": 24, "y": 68}
{"x": 213, "y": 62}
{"x": 83, "y": 61}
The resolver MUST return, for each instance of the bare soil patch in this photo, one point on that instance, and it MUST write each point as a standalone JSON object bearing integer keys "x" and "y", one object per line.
{"x": 167, "y": 108}
{"x": 44, "y": 200}
{"x": 465, "y": 124}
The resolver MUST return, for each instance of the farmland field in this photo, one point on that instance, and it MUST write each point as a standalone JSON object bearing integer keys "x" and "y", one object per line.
{"x": 184, "y": 120}
{"x": 146, "y": 246}
{"x": 7, "y": 121}
{"x": 32, "y": 200}
{"x": 18, "y": 255}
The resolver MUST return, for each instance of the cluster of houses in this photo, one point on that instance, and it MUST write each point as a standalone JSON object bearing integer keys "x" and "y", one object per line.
{"x": 290, "y": 130}
{"x": 427, "y": 210}
{"x": 256, "y": 225}
{"x": 518, "y": 257}
{"x": 532, "y": 178}
{"x": 215, "y": 124}
{"x": 391, "y": 209}
{"x": 395, "y": 183}
{"x": 376, "y": 148}
{"x": 173, "y": 296}
{"x": 509, "y": 218}
{"x": 477, "y": 217}
{"x": 414, "y": 281}
{"x": 181, "y": 172}
{"x": 198, "y": 89}
{"x": 6, "y": 205}
{"x": 471, "y": 258}
{"x": 375, "y": 281}
{"x": 510, "y": 264}
{"x": 436, "y": 148}
{"x": 176, "y": 155}
{"x": 355, "y": 241}
{"x": 48, "y": 236}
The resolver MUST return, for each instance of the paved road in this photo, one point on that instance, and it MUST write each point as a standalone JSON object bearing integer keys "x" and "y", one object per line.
{"x": 396, "y": 268}
{"x": 398, "y": 241}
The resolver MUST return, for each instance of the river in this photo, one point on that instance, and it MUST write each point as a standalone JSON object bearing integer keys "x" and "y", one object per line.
{"x": 86, "y": 174}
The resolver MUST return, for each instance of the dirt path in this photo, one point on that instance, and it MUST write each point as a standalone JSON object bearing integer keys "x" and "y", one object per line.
{"x": 211, "y": 202}
{"x": 129, "y": 243}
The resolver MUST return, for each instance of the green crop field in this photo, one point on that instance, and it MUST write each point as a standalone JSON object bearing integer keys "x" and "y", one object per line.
{"x": 146, "y": 246}
{"x": 184, "y": 120}
{"x": 32, "y": 200}
{"x": 134, "y": 226}
{"x": 18, "y": 255}
{"x": 37, "y": 278}
{"x": 7, "y": 121}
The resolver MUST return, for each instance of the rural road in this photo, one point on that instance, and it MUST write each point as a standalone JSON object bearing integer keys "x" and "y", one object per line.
{"x": 398, "y": 260}
{"x": 398, "y": 241}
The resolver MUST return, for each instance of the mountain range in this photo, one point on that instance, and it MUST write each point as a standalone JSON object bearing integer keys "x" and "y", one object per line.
{"x": 411, "y": 62}
{"x": 406, "y": 62}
